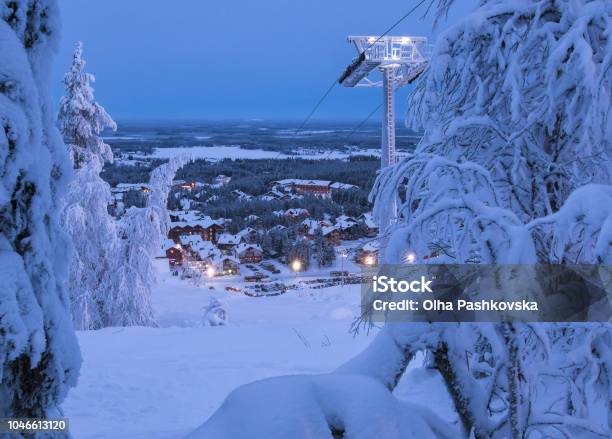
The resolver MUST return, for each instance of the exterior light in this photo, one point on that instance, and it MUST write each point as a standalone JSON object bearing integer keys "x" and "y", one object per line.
{"x": 210, "y": 271}
{"x": 406, "y": 40}
{"x": 296, "y": 265}
{"x": 370, "y": 260}
{"x": 410, "y": 258}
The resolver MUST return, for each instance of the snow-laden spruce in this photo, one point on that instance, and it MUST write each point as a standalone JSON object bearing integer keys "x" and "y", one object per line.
{"x": 81, "y": 118}
{"x": 85, "y": 213}
{"x": 39, "y": 355}
{"x": 513, "y": 168}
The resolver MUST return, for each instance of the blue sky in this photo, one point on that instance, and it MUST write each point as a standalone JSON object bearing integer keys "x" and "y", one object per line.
{"x": 227, "y": 59}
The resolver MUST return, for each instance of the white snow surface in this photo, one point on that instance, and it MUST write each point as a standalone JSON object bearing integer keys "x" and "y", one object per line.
{"x": 165, "y": 382}
{"x": 220, "y": 152}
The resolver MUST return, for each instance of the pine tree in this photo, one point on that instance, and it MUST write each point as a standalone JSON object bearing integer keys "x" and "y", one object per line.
{"x": 81, "y": 118}
{"x": 267, "y": 243}
{"x": 318, "y": 247}
{"x": 284, "y": 243}
{"x": 85, "y": 216}
{"x": 325, "y": 252}
{"x": 39, "y": 354}
{"x": 329, "y": 254}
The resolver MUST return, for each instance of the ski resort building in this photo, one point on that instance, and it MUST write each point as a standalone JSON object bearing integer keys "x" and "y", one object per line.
{"x": 348, "y": 226}
{"x": 317, "y": 188}
{"x": 369, "y": 253}
{"x": 296, "y": 213}
{"x": 248, "y": 235}
{"x": 369, "y": 226}
{"x": 189, "y": 222}
{"x": 249, "y": 253}
{"x": 331, "y": 234}
{"x": 222, "y": 180}
{"x": 173, "y": 253}
{"x": 228, "y": 242}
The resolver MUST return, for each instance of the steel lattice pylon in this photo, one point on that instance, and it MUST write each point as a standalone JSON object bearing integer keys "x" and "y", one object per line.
{"x": 400, "y": 60}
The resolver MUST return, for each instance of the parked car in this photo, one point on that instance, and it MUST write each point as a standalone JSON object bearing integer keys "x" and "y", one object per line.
{"x": 269, "y": 267}
{"x": 257, "y": 277}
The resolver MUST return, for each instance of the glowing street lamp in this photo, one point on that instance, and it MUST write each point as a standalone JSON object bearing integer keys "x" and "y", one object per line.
{"x": 410, "y": 258}
{"x": 210, "y": 271}
{"x": 296, "y": 265}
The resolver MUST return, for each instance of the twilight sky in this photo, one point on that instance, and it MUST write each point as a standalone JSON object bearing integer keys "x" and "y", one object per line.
{"x": 155, "y": 59}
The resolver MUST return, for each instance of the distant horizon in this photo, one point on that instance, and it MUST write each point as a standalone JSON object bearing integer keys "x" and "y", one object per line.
{"x": 298, "y": 120}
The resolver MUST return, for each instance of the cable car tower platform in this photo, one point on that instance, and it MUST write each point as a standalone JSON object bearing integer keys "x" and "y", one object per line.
{"x": 399, "y": 60}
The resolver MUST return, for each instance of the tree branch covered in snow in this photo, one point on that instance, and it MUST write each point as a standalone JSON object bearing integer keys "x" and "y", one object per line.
{"x": 515, "y": 105}
{"x": 523, "y": 89}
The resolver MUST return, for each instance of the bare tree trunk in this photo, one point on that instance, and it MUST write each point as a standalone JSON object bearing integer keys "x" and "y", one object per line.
{"x": 461, "y": 401}
{"x": 514, "y": 375}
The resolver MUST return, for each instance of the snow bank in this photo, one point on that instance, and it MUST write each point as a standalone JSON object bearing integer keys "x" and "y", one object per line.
{"x": 315, "y": 406}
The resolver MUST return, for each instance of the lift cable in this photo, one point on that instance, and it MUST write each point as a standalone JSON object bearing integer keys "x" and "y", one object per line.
{"x": 406, "y": 15}
{"x": 363, "y": 122}
{"x": 357, "y": 128}
{"x": 314, "y": 109}
{"x": 333, "y": 84}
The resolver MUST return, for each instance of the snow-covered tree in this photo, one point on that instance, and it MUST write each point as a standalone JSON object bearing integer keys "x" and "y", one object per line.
{"x": 215, "y": 313}
{"x": 85, "y": 214}
{"x": 329, "y": 254}
{"x": 112, "y": 272}
{"x": 39, "y": 355}
{"x": 515, "y": 105}
{"x": 523, "y": 89}
{"x": 141, "y": 231}
{"x": 265, "y": 240}
{"x": 81, "y": 118}
{"x": 325, "y": 252}
{"x": 318, "y": 247}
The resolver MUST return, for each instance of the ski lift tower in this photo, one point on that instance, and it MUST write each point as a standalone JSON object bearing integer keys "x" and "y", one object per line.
{"x": 400, "y": 60}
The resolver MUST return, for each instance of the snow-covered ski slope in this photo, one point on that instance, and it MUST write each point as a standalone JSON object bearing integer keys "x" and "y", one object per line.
{"x": 164, "y": 382}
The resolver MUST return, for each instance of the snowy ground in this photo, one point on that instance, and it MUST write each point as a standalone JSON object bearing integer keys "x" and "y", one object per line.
{"x": 235, "y": 152}
{"x": 164, "y": 382}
